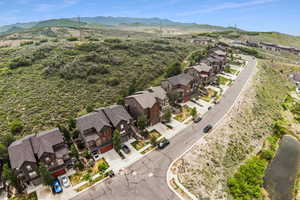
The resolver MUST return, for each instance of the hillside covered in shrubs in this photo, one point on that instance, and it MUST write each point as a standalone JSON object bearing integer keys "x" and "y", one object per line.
{"x": 47, "y": 84}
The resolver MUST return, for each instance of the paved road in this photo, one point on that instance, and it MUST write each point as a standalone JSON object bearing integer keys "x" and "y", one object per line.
{"x": 146, "y": 179}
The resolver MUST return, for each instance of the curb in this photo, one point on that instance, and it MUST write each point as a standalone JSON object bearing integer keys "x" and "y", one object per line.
{"x": 169, "y": 178}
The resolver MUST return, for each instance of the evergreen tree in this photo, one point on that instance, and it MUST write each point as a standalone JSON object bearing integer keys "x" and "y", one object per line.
{"x": 46, "y": 176}
{"x": 116, "y": 139}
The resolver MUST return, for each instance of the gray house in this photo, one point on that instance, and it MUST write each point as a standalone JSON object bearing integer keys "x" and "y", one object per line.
{"x": 47, "y": 147}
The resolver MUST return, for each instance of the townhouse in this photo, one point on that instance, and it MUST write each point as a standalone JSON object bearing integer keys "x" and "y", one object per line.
{"x": 203, "y": 74}
{"x": 183, "y": 84}
{"x": 47, "y": 147}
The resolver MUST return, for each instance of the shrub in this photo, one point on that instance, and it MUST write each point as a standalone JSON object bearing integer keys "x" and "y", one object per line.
{"x": 16, "y": 126}
{"x": 113, "y": 81}
{"x": 71, "y": 39}
{"x": 173, "y": 69}
{"x": 103, "y": 166}
{"x": 112, "y": 40}
{"x": 267, "y": 154}
{"x": 26, "y": 43}
{"x": 21, "y": 61}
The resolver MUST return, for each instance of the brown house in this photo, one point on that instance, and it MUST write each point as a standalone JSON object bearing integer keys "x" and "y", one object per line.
{"x": 47, "y": 147}
{"x": 96, "y": 131}
{"x": 121, "y": 120}
{"x": 144, "y": 104}
{"x": 203, "y": 74}
{"x": 182, "y": 84}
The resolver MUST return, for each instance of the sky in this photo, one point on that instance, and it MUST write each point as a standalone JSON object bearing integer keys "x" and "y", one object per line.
{"x": 254, "y": 15}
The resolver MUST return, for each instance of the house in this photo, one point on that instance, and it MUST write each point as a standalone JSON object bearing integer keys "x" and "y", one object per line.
{"x": 182, "y": 84}
{"x": 95, "y": 131}
{"x": 47, "y": 147}
{"x": 215, "y": 62}
{"x": 160, "y": 94}
{"x": 120, "y": 120}
{"x": 202, "y": 41}
{"x": 203, "y": 74}
{"x": 146, "y": 104}
{"x": 296, "y": 78}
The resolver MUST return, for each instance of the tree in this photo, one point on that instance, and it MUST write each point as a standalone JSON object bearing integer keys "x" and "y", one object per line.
{"x": 153, "y": 141}
{"x": 9, "y": 176}
{"x": 194, "y": 112}
{"x": 142, "y": 122}
{"x": 74, "y": 151}
{"x": 66, "y": 133}
{"x": 5, "y": 141}
{"x": 174, "y": 69}
{"x": 167, "y": 116}
{"x": 227, "y": 69}
{"x": 174, "y": 97}
{"x": 16, "y": 126}
{"x": 89, "y": 108}
{"x": 116, "y": 140}
{"x": 45, "y": 174}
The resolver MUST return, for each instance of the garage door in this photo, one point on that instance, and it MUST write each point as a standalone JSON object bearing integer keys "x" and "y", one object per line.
{"x": 59, "y": 173}
{"x": 106, "y": 148}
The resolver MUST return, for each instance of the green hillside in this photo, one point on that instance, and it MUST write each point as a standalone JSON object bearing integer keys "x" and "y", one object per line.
{"x": 41, "y": 86}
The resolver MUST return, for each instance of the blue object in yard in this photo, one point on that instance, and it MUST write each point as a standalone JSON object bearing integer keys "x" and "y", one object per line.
{"x": 56, "y": 187}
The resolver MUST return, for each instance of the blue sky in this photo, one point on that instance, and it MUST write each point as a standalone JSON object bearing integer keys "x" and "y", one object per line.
{"x": 258, "y": 15}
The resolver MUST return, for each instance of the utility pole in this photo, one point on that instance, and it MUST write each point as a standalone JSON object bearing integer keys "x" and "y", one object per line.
{"x": 79, "y": 25}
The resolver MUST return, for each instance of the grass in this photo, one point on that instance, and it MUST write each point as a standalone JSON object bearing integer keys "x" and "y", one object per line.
{"x": 148, "y": 149}
{"x": 31, "y": 196}
{"x": 89, "y": 184}
{"x": 233, "y": 71}
{"x": 78, "y": 176}
{"x": 211, "y": 94}
{"x": 186, "y": 113}
{"x": 223, "y": 81}
{"x": 154, "y": 134}
{"x": 138, "y": 144}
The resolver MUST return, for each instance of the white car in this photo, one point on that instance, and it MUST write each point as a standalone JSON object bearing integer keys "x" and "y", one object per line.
{"x": 65, "y": 181}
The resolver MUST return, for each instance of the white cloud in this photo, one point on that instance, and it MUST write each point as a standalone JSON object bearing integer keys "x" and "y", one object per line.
{"x": 227, "y": 5}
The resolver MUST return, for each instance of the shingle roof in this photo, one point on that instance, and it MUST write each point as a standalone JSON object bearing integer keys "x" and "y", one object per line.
{"x": 95, "y": 120}
{"x": 158, "y": 92}
{"x": 146, "y": 100}
{"x": 26, "y": 148}
{"x": 20, "y": 151}
{"x": 181, "y": 79}
{"x": 220, "y": 52}
{"x": 117, "y": 113}
{"x": 202, "y": 67}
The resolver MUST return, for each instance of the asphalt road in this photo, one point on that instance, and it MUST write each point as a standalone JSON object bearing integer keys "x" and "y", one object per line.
{"x": 146, "y": 179}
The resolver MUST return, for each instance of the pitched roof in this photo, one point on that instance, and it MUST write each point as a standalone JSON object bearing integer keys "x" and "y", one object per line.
{"x": 26, "y": 148}
{"x": 146, "y": 100}
{"x": 202, "y": 67}
{"x": 95, "y": 120}
{"x": 296, "y": 76}
{"x": 181, "y": 79}
{"x": 158, "y": 92}
{"x": 220, "y": 52}
{"x": 21, "y": 151}
{"x": 116, "y": 113}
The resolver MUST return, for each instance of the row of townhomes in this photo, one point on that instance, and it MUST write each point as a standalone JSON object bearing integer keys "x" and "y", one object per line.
{"x": 273, "y": 47}
{"x": 96, "y": 128}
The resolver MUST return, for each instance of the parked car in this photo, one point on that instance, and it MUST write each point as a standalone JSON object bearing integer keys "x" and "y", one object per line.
{"x": 163, "y": 144}
{"x": 125, "y": 148}
{"x": 96, "y": 156}
{"x": 197, "y": 119}
{"x": 209, "y": 108}
{"x": 65, "y": 181}
{"x": 111, "y": 173}
{"x": 207, "y": 128}
{"x": 56, "y": 187}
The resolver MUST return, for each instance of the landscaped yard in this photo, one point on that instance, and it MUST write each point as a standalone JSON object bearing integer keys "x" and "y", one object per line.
{"x": 211, "y": 93}
{"x": 223, "y": 81}
{"x": 186, "y": 112}
{"x": 31, "y": 196}
{"x": 233, "y": 71}
{"x": 154, "y": 134}
{"x": 78, "y": 176}
{"x": 88, "y": 184}
{"x": 138, "y": 144}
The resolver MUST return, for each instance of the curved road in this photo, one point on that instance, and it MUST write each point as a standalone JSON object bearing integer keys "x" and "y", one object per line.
{"x": 146, "y": 178}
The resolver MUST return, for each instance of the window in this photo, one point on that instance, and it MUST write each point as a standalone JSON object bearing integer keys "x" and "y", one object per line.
{"x": 28, "y": 167}
{"x": 32, "y": 174}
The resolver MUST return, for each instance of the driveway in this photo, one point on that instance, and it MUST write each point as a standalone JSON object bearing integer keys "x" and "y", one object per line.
{"x": 146, "y": 179}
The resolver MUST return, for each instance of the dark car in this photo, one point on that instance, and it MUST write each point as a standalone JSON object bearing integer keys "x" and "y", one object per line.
{"x": 163, "y": 144}
{"x": 209, "y": 108}
{"x": 56, "y": 187}
{"x": 125, "y": 148}
{"x": 207, "y": 128}
{"x": 197, "y": 119}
